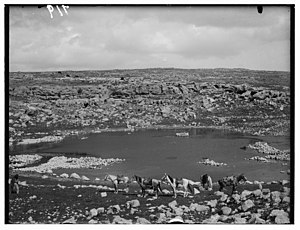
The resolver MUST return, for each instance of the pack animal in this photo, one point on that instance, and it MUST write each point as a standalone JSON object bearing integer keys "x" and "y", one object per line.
{"x": 116, "y": 180}
{"x": 175, "y": 183}
{"x": 206, "y": 182}
{"x": 148, "y": 183}
{"x": 231, "y": 181}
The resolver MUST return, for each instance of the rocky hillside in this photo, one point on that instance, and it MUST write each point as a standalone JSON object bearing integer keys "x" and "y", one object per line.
{"x": 50, "y": 105}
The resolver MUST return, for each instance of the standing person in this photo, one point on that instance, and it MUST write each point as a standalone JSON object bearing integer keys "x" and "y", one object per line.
{"x": 14, "y": 184}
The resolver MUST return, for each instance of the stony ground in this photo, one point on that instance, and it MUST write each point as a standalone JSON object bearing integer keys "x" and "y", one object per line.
{"x": 51, "y": 105}
{"x": 59, "y": 200}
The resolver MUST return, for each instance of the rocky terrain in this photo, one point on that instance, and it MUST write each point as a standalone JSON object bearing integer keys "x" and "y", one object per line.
{"x": 48, "y": 106}
{"x": 74, "y": 200}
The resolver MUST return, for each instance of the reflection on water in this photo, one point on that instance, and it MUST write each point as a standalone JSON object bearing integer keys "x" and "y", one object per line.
{"x": 154, "y": 152}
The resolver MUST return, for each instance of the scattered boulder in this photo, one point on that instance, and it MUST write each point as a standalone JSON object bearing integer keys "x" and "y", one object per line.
{"x": 141, "y": 220}
{"x": 172, "y": 204}
{"x": 247, "y": 205}
{"x": 255, "y": 219}
{"x": 224, "y": 197}
{"x": 113, "y": 209}
{"x": 218, "y": 193}
{"x": 75, "y": 176}
{"x": 257, "y": 193}
{"x": 93, "y": 212}
{"x": 244, "y": 194}
{"x": 85, "y": 178}
{"x": 64, "y": 175}
{"x": 239, "y": 220}
{"x": 93, "y": 221}
{"x": 133, "y": 203}
{"x": 120, "y": 220}
{"x": 212, "y": 203}
{"x": 212, "y": 220}
{"x": 226, "y": 210}
{"x": 103, "y": 194}
{"x": 100, "y": 210}
{"x": 275, "y": 196}
{"x": 198, "y": 207}
{"x": 282, "y": 219}
{"x": 236, "y": 198}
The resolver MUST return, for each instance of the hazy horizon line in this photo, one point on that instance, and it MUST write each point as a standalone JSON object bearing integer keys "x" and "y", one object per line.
{"x": 216, "y": 68}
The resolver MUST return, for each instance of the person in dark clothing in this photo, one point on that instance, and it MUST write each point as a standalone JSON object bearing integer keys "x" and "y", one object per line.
{"x": 14, "y": 184}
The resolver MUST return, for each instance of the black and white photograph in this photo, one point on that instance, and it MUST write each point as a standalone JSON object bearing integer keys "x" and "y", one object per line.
{"x": 149, "y": 114}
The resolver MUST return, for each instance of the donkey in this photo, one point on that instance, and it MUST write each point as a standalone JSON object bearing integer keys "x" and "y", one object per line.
{"x": 231, "y": 181}
{"x": 148, "y": 183}
{"x": 175, "y": 182}
{"x": 116, "y": 180}
{"x": 206, "y": 182}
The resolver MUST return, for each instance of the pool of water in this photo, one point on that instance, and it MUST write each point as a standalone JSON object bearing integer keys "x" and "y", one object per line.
{"x": 151, "y": 153}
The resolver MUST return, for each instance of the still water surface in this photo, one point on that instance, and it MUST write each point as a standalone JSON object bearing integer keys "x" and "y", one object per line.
{"x": 151, "y": 153}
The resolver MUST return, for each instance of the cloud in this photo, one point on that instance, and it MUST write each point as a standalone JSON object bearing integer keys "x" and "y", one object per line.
{"x": 139, "y": 37}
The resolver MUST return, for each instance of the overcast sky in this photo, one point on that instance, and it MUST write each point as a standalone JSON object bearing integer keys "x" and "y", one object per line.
{"x": 99, "y": 38}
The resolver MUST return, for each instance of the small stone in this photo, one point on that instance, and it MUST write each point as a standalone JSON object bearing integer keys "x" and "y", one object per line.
{"x": 286, "y": 199}
{"x": 141, "y": 220}
{"x": 120, "y": 220}
{"x": 85, "y": 178}
{"x": 236, "y": 197}
{"x": 257, "y": 193}
{"x": 224, "y": 197}
{"x": 226, "y": 210}
{"x": 218, "y": 193}
{"x": 223, "y": 218}
{"x": 33, "y": 197}
{"x": 172, "y": 204}
{"x": 247, "y": 205}
{"x": 212, "y": 203}
{"x": 100, "y": 210}
{"x": 103, "y": 194}
{"x": 244, "y": 194}
{"x": 282, "y": 219}
{"x": 93, "y": 221}
{"x": 213, "y": 219}
{"x": 45, "y": 177}
{"x": 133, "y": 210}
{"x": 93, "y": 212}
{"x": 239, "y": 220}
{"x": 277, "y": 212}
{"x": 64, "y": 175}
{"x": 133, "y": 203}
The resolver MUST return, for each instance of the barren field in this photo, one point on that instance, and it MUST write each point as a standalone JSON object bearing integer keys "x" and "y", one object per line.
{"x": 51, "y": 107}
